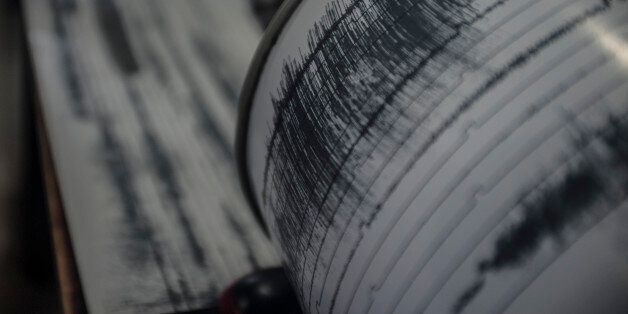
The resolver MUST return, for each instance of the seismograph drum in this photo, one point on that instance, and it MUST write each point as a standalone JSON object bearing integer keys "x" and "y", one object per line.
{"x": 444, "y": 156}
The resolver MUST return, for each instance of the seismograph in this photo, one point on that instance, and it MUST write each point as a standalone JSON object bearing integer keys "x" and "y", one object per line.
{"x": 398, "y": 119}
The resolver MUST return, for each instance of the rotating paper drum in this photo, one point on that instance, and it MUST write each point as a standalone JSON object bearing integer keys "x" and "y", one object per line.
{"x": 444, "y": 156}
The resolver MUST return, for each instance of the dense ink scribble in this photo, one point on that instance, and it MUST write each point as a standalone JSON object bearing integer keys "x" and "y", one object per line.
{"x": 207, "y": 122}
{"x": 544, "y": 217}
{"x": 350, "y": 92}
{"x": 136, "y": 114}
{"x": 591, "y": 188}
{"x": 61, "y": 9}
{"x": 342, "y": 97}
{"x": 161, "y": 161}
{"x": 116, "y": 38}
{"x": 345, "y": 100}
{"x": 122, "y": 176}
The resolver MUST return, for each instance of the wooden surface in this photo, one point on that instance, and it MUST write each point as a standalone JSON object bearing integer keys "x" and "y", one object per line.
{"x": 69, "y": 284}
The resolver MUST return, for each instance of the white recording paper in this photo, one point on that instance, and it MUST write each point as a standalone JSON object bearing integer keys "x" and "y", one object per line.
{"x": 447, "y": 156}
